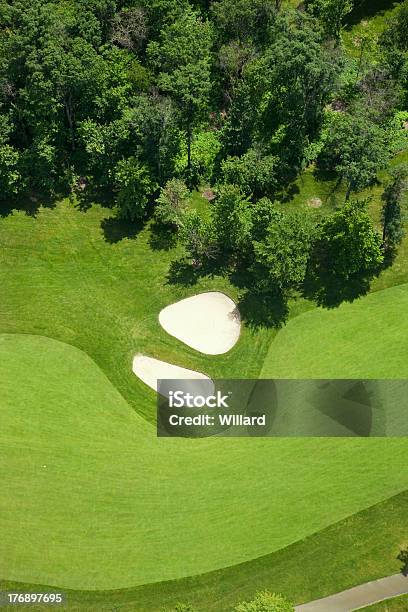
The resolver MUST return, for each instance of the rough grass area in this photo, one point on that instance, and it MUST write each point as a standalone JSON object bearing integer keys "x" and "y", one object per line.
{"x": 369, "y": 18}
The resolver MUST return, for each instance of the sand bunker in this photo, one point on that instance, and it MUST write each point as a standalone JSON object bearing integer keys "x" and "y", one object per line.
{"x": 208, "y": 322}
{"x": 150, "y": 370}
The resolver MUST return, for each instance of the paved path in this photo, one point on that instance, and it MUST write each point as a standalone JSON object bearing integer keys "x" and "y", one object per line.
{"x": 359, "y": 596}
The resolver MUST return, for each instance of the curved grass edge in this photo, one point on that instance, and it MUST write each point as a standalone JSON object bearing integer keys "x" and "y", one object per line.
{"x": 359, "y": 549}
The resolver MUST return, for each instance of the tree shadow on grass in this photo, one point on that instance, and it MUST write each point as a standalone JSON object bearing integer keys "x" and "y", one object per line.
{"x": 116, "y": 229}
{"x": 183, "y": 272}
{"x": 369, "y": 8}
{"x": 93, "y": 194}
{"x": 330, "y": 291}
{"x": 259, "y": 309}
{"x": 162, "y": 237}
{"x": 288, "y": 194}
{"x": 29, "y": 204}
{"x": 263, "y": 310}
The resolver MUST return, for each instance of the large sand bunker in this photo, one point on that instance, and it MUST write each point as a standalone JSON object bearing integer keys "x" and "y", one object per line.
{"x": 150, "y": 370}
{"x": 208, "y": 322}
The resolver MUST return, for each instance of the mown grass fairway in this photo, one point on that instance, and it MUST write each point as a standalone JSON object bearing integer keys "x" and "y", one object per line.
{"x": 94, "y": 500}
{"x": 365, "y": 339}
{"x": 100, "y": 103}
{"x": 360, "y": 548}
{"x": 63, "y": 277}
{"x": 166, "y": 509}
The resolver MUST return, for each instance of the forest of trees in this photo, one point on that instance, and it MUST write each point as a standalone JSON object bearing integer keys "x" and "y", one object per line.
{"x": 139, "y": 102}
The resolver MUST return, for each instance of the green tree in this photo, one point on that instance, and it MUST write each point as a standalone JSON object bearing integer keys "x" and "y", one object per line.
{"x": 199, "y": 239}
{"x": 153, "y": 127}
{"x": 263, "y": 212}
{"x": 332, "y": 14}
{"x": 356, "y": 148}
{"x": 282, "y": 256}
{"x": 278, "y": 105}
{"x": 148, "y": 128}
{"x": 231, "y": 217}
{"x": 403, "y": 557}
{"x": 182, "y": 58}
{"x": 346, "y": 255}
{"x": 392, "y": 216}
{"x": 394, "y": 41}
{"x": 134, "y": 188}
{"x": 242, "y": 20}
{"x": 172, "y": 202}
{"x": 254, "y": 173}
{"x": 11, "y": 181}
{"x": 351, "y": 244}
{"x": 130, "y": 28}
{"x": 265, "y": 602}
{"x": 232, "y": 59}
{"x": 55, "y": 73}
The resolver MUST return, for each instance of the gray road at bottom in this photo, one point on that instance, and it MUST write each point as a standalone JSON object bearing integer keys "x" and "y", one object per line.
{"x": 359, "y": 596}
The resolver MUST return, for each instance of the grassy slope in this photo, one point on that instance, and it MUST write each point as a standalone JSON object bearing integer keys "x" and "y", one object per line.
{"x": 118, "y": 507}
{"x": 61, "y": 278}
{"x": 360, "y": 548}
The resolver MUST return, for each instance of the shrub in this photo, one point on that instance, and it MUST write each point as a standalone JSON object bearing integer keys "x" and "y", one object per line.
{"x": 172, "y": 202}
{"x": 254, "y": 173}
{"x": 198, "y": 237}
{"x": 265, "y": 602}
{"x": 204, "y": 150}
{"x": 134, "y": 188}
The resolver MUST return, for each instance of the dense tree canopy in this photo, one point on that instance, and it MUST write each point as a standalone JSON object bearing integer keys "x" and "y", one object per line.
{"x": 137, "y": 102}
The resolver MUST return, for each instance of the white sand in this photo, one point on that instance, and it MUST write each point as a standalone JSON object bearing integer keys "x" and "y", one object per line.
{"x": 208, "y": 322}
{"x": 150, "y": 370}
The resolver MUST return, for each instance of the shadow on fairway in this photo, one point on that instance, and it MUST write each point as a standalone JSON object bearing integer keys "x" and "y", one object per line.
{"x": 330, "y": 291}
{"x": 367, "y": 9}
{"x": 116, "y": 229}
{"x": 183, "y": 272}
{"x": 29, "y": 204}
{"x": 259, "y": 310}
{"x": 162, "y": 237}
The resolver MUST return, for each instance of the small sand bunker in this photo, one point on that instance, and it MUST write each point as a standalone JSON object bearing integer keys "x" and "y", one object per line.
{"x": 208, "y": 322}
{"x": 150, "y": 370}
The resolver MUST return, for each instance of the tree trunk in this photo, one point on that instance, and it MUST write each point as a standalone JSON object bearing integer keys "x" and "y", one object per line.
{"x": 384, "y": 232}
{"x": 360, "y": 61}
{"x": 189, "y": 147}
{"x": 349, "y": 190}
{"x": 69, "y": 114}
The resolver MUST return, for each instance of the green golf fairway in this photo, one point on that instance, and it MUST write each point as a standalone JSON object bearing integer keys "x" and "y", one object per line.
{"x": 92, "y": 499}
{"x": 365, "y": 339}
